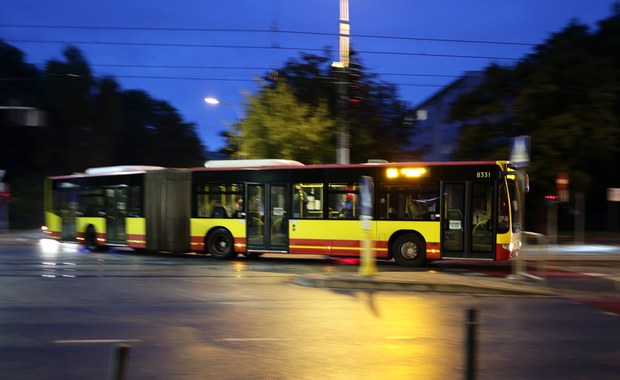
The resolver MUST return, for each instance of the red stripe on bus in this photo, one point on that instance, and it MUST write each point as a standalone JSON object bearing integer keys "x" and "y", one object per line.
{"x": 331, "y": 247}
{"x": 326, "y": 242}
{"x": 53, "y": 234}
{"x": 433, "y": 251}
{"x": 136, "y": 240}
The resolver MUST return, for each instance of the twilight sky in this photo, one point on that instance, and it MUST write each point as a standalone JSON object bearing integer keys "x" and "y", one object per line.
{"x": 183, "y": 51}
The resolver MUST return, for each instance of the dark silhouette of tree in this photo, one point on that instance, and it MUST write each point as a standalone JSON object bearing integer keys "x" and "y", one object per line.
{"x": 91, "y": 122}
{"x": 566, "y": 96}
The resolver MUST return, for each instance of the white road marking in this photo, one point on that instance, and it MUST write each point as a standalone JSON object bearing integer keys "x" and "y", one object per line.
{"x": 249, "y": 339}
{"x": 92, "y": 341}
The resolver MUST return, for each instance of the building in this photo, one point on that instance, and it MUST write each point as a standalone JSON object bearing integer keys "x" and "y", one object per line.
{"x": 435, "y": 138}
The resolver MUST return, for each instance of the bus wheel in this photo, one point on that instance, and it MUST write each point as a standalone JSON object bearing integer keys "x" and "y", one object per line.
{"x": 409, "y": 250}
{"x": 90, "y": 240}
{"x": 220, "y": 244}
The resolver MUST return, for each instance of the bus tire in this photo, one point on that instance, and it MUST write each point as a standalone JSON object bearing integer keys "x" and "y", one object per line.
{"x": 220, "y": 245}
{"x": 409, "y": 250}
{"x": 90, "y": 240}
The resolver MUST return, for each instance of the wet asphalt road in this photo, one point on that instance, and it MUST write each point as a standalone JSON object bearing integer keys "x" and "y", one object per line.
{"x": 64, "y": 312}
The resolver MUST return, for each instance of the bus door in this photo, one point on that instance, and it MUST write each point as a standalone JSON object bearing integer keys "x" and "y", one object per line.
{"x": 467, "y": 225}
{"x": 67, "y": 208}
{"x": 267, "y": 217}
{"x": 115, "y": 214}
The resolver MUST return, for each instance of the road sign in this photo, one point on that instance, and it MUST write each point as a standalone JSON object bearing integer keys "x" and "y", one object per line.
{"x": 613, "y": 194}
{"x": 561, "y": 181}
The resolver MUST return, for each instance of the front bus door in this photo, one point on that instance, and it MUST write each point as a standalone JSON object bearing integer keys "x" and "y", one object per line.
{"x": 468, "y": 225}
{"x": 267, "y": 219}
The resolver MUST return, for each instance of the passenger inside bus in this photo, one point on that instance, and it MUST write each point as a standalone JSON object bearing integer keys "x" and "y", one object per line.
{"x": 346, "y": 207}
{"x": 300, "y": 200}
{"x": 239, "y": 213}
{"x": 415, "y": 209}
{"x": 480, "y": 212}
{"x": 392, "y": 214}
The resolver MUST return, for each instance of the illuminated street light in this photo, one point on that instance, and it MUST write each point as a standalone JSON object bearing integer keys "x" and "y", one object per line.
{"x": 214, "y": 101}
{"x": 210, "y": 100}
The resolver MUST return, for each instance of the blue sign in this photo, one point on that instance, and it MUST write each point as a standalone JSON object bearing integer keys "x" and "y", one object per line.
{"x": 366, "y": 195}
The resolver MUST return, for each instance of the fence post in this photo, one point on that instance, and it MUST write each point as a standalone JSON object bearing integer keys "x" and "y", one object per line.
{"x": 119, "y": 362}
{"x": 470, "y": 344}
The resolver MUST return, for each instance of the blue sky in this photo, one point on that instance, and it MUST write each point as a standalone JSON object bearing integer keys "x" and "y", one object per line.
{"x": 181, "y": 60}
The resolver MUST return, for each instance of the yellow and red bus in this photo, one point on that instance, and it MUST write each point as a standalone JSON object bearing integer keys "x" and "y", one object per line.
{"x": 421, "y": 211}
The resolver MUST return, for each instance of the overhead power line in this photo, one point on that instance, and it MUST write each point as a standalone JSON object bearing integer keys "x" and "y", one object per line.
{"x": 271, "y": 30}
{"x": 248, "y": 68}
{"x": 219, "y": 79}
{"x": 222, "y": 79}
{"x": 187, "y": 45}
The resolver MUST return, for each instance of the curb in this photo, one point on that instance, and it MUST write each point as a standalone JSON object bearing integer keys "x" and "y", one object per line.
{"x": 469, "y": 286}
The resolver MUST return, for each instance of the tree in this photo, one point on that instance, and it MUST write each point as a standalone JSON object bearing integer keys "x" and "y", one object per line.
{"x": 566, "y": 96}
{"x": 154, "y": 133}
{"x": 373, "y": 112}
{"x": 91, "y": 122}
{"x": 277, "y": 125}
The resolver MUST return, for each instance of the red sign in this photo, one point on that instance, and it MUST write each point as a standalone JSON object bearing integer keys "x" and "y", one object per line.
{"x": 561, "y": 181}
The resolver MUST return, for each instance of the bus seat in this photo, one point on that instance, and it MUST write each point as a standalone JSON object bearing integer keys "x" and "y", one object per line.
{"x": 219, "y": 212}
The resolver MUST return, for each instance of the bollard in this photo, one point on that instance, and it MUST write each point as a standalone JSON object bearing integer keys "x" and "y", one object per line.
{"x": 119, "y": 362}
{"x": 470, "y": 344}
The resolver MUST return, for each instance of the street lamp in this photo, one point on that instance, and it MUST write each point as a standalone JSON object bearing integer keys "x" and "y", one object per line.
{"x": 210, "y": 100}
{"x": 215, "y": 101}
{"x": 343, "y": 154}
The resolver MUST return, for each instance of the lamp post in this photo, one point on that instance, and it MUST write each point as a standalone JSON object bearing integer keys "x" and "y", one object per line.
{"x": 343, "y": 154}
{"x": 214, "y": 101}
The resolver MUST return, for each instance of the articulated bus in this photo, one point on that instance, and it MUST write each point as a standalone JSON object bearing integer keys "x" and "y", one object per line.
{"x": 421, "y": 211}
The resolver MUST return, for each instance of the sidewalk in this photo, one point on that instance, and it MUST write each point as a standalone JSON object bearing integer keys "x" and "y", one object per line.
{"x": 423, "y": 282}
{"x": 470, "y": 284}
{"x": 20, "y": 236}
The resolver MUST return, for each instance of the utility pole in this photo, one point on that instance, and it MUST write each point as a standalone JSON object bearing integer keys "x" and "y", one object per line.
{"x": 343, "y": 154}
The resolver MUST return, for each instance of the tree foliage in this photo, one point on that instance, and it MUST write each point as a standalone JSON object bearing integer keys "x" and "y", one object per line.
{"x": 566, "y": 96}
{"x": 280, "y": 126}
{"x": 312, "y": 88}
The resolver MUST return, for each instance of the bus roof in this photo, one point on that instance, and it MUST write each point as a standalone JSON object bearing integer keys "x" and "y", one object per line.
{"x": 250, "y": 163}
{"x": 286, "y": 164}
{"x": 122, "y": 169}
{"x": 113, "y": 170}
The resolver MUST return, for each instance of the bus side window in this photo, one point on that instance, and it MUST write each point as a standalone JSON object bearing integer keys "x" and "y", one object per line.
{"x": 135, "y": 201}
{"x": 308, "y": 200}
{"x": 343, "y": 206}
